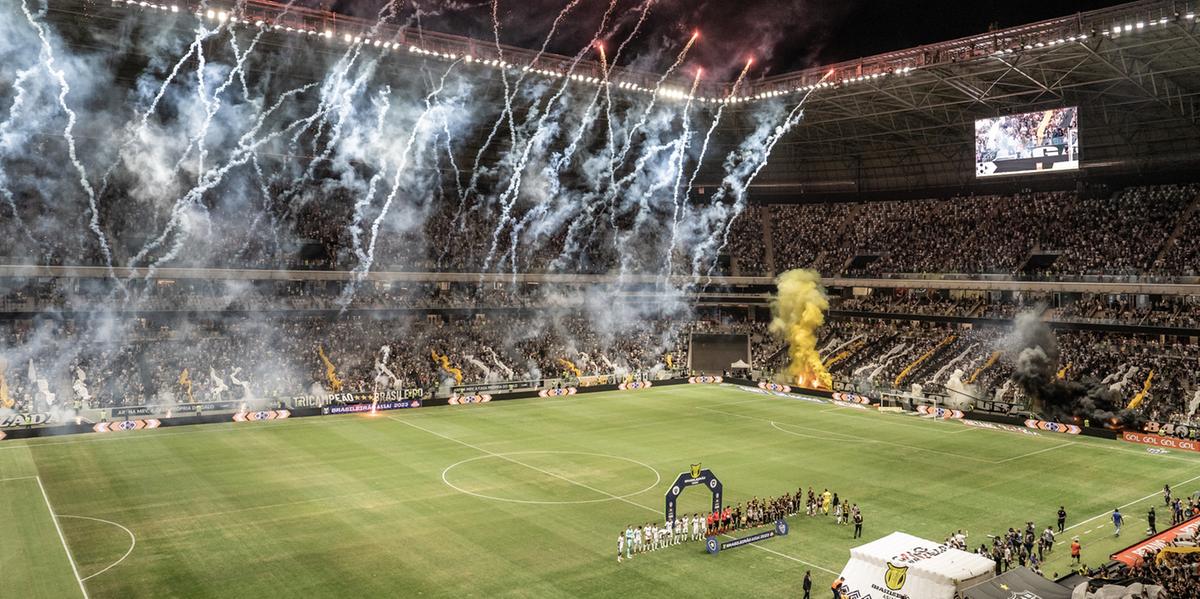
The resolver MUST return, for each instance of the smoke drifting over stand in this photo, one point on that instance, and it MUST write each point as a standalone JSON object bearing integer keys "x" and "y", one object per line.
{"x": 1035, "y": 352}
{"x": 139, "y": 136}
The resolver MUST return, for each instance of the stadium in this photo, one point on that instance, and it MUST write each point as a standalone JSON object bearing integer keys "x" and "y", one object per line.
{"x": 582, "y": 299}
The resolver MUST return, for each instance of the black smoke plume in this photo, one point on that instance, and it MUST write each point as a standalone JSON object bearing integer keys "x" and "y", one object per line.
{"x": 1034, "y": 349}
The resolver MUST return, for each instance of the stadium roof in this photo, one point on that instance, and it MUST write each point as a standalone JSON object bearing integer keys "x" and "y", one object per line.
{"x": 896, "y": 121}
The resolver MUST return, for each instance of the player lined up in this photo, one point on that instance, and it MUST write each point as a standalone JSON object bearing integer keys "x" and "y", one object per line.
{"x": 640, "y": 539}
{"x": 757, "y": 512}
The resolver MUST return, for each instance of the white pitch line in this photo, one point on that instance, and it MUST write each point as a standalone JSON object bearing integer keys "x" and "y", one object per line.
{"x": 1135, "y": 501}
{"x": 16, "y": 478}
{"x": 588, "y": 487}
{"x": 61, "y": 537}
{"x": 132, "y": 542}
{"x": 1033, "y": 453}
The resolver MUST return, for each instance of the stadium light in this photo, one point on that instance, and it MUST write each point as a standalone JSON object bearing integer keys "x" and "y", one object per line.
{"x": 174, "y": 8}
{"x": 1190, "y": 16}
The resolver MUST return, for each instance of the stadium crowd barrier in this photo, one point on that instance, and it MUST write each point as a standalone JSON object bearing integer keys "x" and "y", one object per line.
{"x": 362, "y": 404}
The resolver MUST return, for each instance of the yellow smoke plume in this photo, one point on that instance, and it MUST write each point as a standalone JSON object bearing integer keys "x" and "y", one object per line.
{"x": 570, "y": 367}
{"x": 798, "y": 310}
{"x": 335, "y": 384}
{"x": 1141, "y": 395}
{"x": 185, "y": 381}
{"x": 444, "y": 362}
{"x": 5, "y": 400}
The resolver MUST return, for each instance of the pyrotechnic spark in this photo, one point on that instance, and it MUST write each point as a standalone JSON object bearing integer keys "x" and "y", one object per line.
{"x": 684, "y": 142}
{"x": 715, "y": 123}
{"x": 5, "y": 128}
{"x": 509, "y": 198}
{"x": 364, "y": 267}
{"x": 739, "y": 187}
{"x": 48, "y": 61}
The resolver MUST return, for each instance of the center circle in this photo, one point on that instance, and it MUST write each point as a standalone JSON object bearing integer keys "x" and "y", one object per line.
{"x": 590, "y": 483}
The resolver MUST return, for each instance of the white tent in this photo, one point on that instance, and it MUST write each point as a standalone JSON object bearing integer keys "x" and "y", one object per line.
{"x": 901, "y": 566}
{"x": 740, "y": 364}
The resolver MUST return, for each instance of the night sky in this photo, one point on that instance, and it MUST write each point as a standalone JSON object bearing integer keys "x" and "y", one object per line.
{"x": 782, "y": 35}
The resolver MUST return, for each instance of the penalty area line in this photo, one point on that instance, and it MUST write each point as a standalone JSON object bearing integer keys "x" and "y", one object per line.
{"x": 61, "y": 537}
{"x": 588, "y": 487}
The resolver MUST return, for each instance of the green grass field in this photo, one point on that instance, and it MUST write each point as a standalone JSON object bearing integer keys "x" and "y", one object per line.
{"x": 525, "y": 498}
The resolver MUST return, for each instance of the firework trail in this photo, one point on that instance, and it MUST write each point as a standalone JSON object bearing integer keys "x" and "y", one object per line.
{"x": 713, "y": 126}
{"x": 213, "y": 105}
{"x": 510, "y": 92}
{"x": 681, "y": 151}
{"x": 364, "y": 267}
{"x": 625, "y": 147}
{"x": 739, "y": 189}
{"x": 5, "y": 128}
{"x": 266, "y": 208}
{"x": 510, "y": 196}
{"x": 202, "y": 34}
{"x": 589, "y": 208}
{"x": 241, "y": 154}
{"x": 653, "y": 100}
{"x": 383, "y": 105}
{"x": 47, "y": 56}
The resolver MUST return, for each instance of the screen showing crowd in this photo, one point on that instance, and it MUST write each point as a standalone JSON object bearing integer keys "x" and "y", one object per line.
{"x": 1032, "y": 142}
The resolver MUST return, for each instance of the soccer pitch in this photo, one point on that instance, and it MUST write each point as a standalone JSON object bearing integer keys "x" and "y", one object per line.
{"x": 526, "y": 498}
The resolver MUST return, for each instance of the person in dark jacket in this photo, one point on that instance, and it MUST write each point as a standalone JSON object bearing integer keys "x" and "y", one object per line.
{"x": 807, "y": 584}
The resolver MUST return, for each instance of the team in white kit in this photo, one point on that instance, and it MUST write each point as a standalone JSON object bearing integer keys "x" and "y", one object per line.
{"x": 639, "y": 539}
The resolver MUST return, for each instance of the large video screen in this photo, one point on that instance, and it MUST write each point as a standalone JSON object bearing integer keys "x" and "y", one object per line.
{"x": 1034, "y": 142}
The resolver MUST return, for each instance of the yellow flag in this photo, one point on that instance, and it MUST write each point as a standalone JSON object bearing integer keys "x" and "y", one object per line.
{"x": 5, "y": 400}
{"x": 335, "y": 384}
{"x": 185, "y": 381}
{"x": 444, "y": 362}
{"x": 570, "y": 367}
{"x": 1141, "y": 395}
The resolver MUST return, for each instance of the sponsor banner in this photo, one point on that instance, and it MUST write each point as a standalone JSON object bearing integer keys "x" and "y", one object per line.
{"x": 1135, "y": 554}
{"x": 594, "y": 380}
{"x": 1183, "y": 431}
{"x": 846, "y": 404}
{"x": 561, "y": 392}
{"x": 34, "y": 419}
{"x": 462, "y": 400}
{"x": 775, "y": 387}
{"x": 261, "y": 415}
{"x": 175, "y": 409}
{"x": 713, "y": 547}
{"x": 851, "y": 398}
{"x": 122, "y": 426}
{"x": 705, "y": 380}
{"x": 941, "y": 412}
{"x": 368, "y": 407}
{"x": 1054, "y": 427}
{"x": 389, "y": 395}
{"x": 997, "y": 426}
{"x": 761, "y": 391}
{"x": 501, "y": 387}
{"x": 1161, "y": 441}
{"x": 635, "y": 385}
{"x": 1, "y": 435}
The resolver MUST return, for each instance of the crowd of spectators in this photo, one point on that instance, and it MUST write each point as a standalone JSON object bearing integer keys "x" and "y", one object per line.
{"x": 1118, "y": 234}
{"x": 1136, "y": 231}
{"x": 137, "y": 361}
